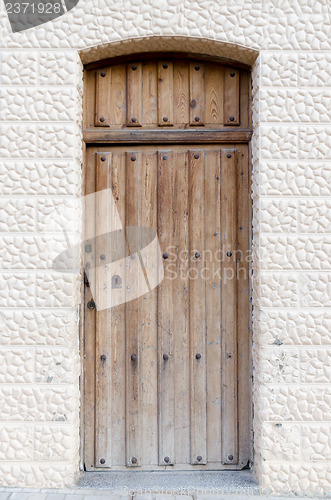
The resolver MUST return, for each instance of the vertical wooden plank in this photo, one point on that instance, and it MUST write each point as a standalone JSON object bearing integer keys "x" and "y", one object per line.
{"x": 231, "y": 114}
{"x": 213, "y": 304}
{"x": 181, "y": 309}
{"x": 181, "y": 92}
{"x": 165, "y": 73}
{"x": 197, "y": 307}
{"x": 245, "y": 99}
{"x": 214, "y": 81}
{"x": 103, "y": 335}
{"x": 229, "y": 307}
{"x": 89, "y": 321}
{"x": 118, "y": 95}
{"x": 244, "y": 316}
{"x": 197, "y": 94}
{"x": 165, "y": 311}
{"x": 148, "y": 316}
{"x": 117, "y": 318}
{"x": 134, "y": 94}
{"x": 102, "y": 97}
{"x": 149, "y": 93}
{"x": 132, "y": 315}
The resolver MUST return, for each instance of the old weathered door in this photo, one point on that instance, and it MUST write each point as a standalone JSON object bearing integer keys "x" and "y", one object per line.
{"x": 167, "y": 372}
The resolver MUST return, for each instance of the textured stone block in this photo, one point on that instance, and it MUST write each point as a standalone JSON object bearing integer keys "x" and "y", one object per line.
{"x": 56, "y": 141}
{"x": 18, "y": 141}
{"x": 315, "y": 216}
{"x": 279, "y": 142}
{"x": 279, "y": 70}
{"x": 18, "y": 68}
{"x": 314, "y": 70}
{"x": 17, "y": 215}
{"x": 297, "y": 178}
{"x": 16, "y": 366}
{"x": 315, "y": 290}
{"x": 40, "y": 178}
{"x": 17, "y": 290}
{"x": 315, "y": 366}
{"x": 38, "y": 327}
{"x": 54, "y": 365}
{"x": 40, "y": 104}
{"x": 57, "y": 215}
{"x": 278, "y": 215}
{"x": 279, "y": 290}
{"x": 59, "y": 68}
{"x": 33, "y": 404}
{"x": 55, "y": 442}
{"x": 16, "y": 442}
{"x": 315, "y": 143}
{"x": 276, "y": 366}
{"x": 55, "y": 290}
{"x": 316, "y": 442}
{"x": 280, "y": 441}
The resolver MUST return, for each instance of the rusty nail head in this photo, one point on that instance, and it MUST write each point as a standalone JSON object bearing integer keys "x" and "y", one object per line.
{"x": 134, "y": 460}
{"x": 165, "y": 66}
{"x": 102, "y": 119}
{"x": 103, "y": 357}
{"x": 229, "y": 155}
{"x": 134, "y": 67}
{"x": 165, "y": 118}
{"x": 197, "y": 255}
{"x": 88, "y": 248}
{"x": 230, "y": 457}
{"x": 102, "y": 461}
{"x": 197, "y": 119}
{"x": 133, "y": 357}
{"x": 90, "y": 304}
{"x": 198, "y": 356}
{"x": 199, "y": 458}
{"x": 197, "y": 67}
{"x": 167, "y": 459}
{"x": 232, "y": 74}
{"x": 228, "y": 254}
{"x": 133, "y": 158}
{"x": 102, "y": 256}
{"x": 165, "y": 157}
{"x": 196, "y": 156}
{"x": 165, "y": 357}
{"x": 231, "y": 118}
{"x": 165, "y": 255}
{"x": 133, "y": 120}
{"x": 103, "y": 158}
{"x": 103, "y": 73}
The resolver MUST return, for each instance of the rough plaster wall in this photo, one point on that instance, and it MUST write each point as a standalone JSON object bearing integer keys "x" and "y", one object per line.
{"x": 40, "y": 77}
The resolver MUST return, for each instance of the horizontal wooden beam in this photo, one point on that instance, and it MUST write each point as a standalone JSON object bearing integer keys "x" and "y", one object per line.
{"x": 175, "y": 136}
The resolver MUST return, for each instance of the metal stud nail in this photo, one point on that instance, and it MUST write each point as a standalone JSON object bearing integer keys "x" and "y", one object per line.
{"x": 165, "y": 66}
{"x": 165, "y": 357}
{"x": 102, "y": 461}
{"x": 133, "y": 256}
{"x": 165, "y": 118}
{"x": 134, "y": 460}
{"x": 133, "y": 120}
{"x": 229, "y": 155}
{"x": 88, "y": 248}
{"x": 133, "y": 68}
{"x": 103, "y": 73}
{"x": 230, "y": 457}
{"x": 197, "y": 255}
{"x": 91, "y": 304}
{"x": 164, "y": 157}
{"x": 197, "y": 67}
{"x": 103, "y": 357}
{"x": 199, "y": 458}
{"x": 198, "y": 356}
{"x": 196, "y": 156}
{"x": 102, "y": 256}
{"x": 133, "y": 357}
{"x": 232, "y": 74}
{"x": 133, "y": 158}
{"x": 165, "y": 255}
{"x": 103, "y": 158}
{"x": 231, "y": 118}
{"x": 102, "y": 119}
{"x": 228, "y": 254}
{"x": 167, "y": 459}
{"x": 196, "y": 119}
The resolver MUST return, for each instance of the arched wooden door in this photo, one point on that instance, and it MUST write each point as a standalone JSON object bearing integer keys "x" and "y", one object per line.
{"x": 167, "y": 374}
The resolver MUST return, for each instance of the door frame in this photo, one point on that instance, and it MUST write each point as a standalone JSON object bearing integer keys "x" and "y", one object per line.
{"x": 162, "y": 139}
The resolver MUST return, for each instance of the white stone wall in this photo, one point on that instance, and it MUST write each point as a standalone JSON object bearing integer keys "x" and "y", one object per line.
{"x": 40, "y": 169}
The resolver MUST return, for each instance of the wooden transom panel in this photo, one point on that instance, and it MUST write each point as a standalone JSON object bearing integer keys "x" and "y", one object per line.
{"x": 167, "y": 93}
{"x": 167, "y": 373}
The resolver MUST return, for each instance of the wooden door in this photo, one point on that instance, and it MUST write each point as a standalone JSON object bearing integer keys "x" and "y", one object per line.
{"x": 167, "y": 381}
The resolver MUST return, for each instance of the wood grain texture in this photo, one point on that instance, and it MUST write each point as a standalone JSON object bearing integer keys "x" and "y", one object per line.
{"x": 103, "y": 108}
{"x": 231, "y": 113}
{"x": 134, "y": 95}
{"x": 197, "y": 94}
{"x": 165, "y": 75}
